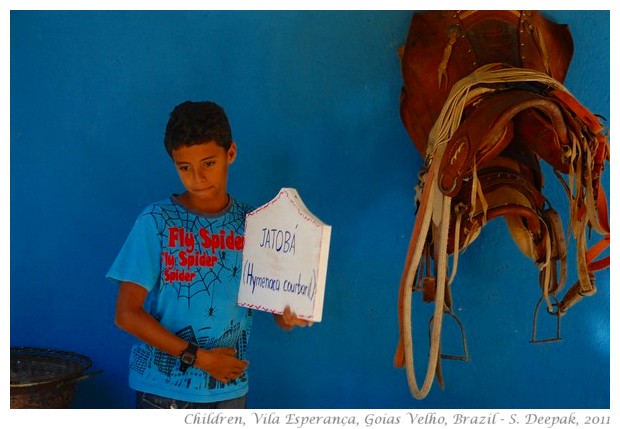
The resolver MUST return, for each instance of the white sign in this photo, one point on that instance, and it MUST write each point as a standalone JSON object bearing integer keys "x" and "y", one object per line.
{"x": 285, "y": 258}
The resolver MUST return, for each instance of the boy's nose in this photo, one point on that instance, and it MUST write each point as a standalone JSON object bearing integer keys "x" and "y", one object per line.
{"x": 200, "y": 176}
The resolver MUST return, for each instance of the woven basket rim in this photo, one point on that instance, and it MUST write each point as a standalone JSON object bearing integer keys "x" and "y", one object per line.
{"x": 34, "y": 366}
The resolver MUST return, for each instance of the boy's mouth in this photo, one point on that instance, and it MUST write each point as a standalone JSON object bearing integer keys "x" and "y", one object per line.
{"x": 203, "y": 187}
{"x": 202, "y": 190}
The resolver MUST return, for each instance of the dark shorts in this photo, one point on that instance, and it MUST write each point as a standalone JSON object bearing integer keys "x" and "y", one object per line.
{"x": 148, "y": 400}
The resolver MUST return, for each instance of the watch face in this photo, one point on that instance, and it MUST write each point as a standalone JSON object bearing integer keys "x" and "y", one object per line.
{"x": 188, "y": 358}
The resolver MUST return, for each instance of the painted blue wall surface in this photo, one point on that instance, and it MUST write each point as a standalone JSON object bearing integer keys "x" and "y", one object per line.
{"x": 313, "y": 100}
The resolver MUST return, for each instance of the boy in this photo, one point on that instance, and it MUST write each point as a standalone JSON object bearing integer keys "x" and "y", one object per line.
{"x": 179, "y": 274}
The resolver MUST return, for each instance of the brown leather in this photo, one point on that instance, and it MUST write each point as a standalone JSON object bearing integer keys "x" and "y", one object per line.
{"x": 520, "y": 39}
{"x": 489, "y": 129}
{"x": 490, "y": 166}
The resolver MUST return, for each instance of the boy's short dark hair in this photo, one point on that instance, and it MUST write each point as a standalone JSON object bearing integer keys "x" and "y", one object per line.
{"x": 194, "y": 123}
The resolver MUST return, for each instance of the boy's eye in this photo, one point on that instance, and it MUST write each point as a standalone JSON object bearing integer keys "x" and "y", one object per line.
{"x": 184, "y": 167}
{"x": 209, "y": 163}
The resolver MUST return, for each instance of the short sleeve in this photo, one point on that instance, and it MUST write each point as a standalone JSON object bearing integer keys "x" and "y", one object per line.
{"x": 139, "y": 260}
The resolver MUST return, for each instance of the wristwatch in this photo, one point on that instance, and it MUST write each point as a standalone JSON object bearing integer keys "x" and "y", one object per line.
{"x": 188, "y": 357}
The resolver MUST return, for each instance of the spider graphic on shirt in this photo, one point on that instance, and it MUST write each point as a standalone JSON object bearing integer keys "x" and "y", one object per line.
{"x": 211, "y": 312}
{"x": 228, "y": 265}
{"x": 206, "y": 278}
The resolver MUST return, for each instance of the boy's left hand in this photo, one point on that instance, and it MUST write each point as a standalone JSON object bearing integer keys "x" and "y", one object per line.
{"x": 288, "y": 320}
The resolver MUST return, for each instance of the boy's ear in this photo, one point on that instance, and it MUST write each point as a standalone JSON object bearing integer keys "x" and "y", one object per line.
{"x": 232, "y": 153}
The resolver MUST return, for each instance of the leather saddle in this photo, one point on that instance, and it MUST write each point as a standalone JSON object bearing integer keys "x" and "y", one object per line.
{"x": 484, "y": 103}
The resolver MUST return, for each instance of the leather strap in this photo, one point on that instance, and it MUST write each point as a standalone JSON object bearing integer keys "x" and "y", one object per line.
{"x": 484, "y": 111}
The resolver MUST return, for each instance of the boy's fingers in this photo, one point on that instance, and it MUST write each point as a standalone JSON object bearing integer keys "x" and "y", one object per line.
{"x": 225, "y": 350}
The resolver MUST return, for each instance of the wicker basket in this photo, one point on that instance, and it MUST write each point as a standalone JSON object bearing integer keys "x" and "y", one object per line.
{"x": 45, "y": 378}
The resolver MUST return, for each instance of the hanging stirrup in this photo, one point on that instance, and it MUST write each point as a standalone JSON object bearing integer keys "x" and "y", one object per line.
{"x": 465, "y": 356}
{"x": 555, "y": 314}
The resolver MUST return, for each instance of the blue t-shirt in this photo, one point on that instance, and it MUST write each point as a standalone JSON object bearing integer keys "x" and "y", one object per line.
{"x": 191, "y": 265}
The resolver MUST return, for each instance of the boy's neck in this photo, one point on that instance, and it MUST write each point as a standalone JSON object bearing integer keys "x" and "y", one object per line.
{"x": 211, "y": 206}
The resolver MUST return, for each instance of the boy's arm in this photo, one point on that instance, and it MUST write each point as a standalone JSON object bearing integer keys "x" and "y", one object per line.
{"x": 288, "y": 320}
{"x": 130, "y": 316}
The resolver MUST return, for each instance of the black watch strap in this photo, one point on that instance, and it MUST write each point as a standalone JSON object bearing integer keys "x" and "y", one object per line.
{"x": 188, "y": 357}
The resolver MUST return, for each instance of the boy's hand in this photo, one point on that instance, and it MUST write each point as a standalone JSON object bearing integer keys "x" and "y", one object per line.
{"x": 288, "y": 320}
{"x": 221, "y": 363}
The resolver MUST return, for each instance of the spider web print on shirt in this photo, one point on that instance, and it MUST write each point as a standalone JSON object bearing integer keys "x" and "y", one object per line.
{"x": 199, "y": 252}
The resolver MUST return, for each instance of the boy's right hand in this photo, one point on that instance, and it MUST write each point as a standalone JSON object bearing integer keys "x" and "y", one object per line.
{"x": 221, "y": 363}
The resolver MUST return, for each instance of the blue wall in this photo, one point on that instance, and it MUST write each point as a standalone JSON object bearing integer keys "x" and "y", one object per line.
{"x": 313, "y": 99}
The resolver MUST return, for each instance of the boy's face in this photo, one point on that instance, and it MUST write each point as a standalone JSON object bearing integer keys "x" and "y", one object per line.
{"x": 203, "y": 169}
